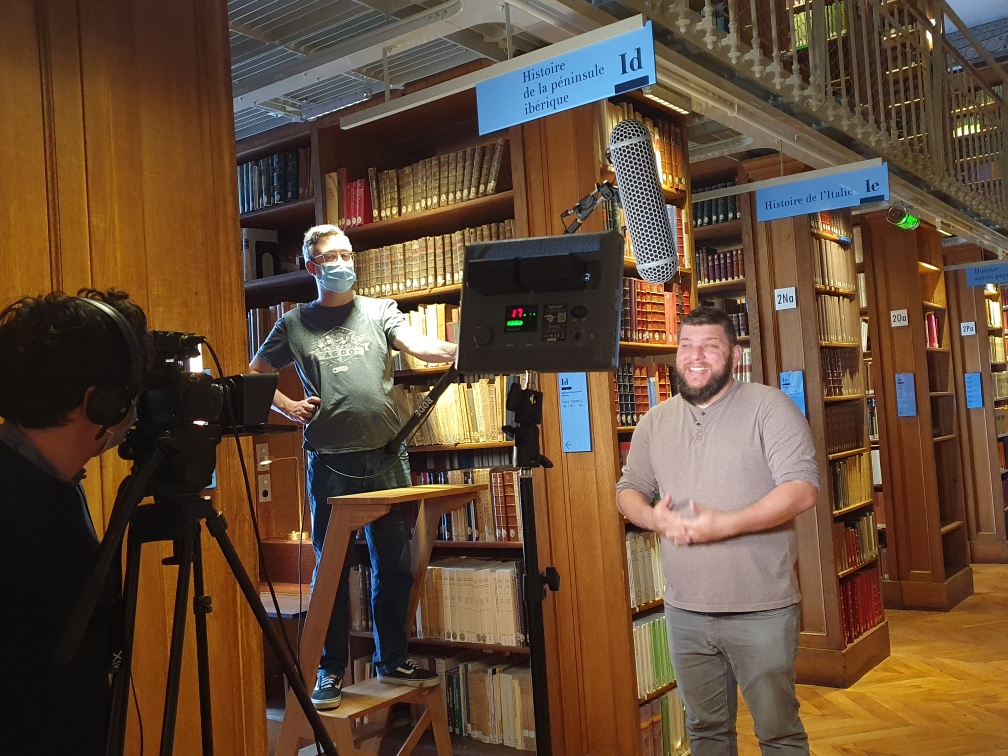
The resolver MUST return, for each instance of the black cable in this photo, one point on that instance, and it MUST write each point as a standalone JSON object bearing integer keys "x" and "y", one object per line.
{"x": 136, "y": 702}
{"x": 255, "y": 522}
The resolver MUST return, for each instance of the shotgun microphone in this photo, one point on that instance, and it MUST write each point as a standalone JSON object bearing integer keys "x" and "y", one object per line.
{"x": 640, "y": 193}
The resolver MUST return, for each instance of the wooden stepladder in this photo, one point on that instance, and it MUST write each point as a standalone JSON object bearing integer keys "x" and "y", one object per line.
{"x": 370, "y": 698}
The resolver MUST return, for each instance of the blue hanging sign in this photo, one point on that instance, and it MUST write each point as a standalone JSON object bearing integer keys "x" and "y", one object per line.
{"x": 829, "y": 192}
{"x": 988, "y": 273}
{"x": 575, "y": 426}
{"x": 792, "y": 383}
{"x": 906, "y": 395}
{"x": 589, "y": 74}
{"x": 974, "y": 393}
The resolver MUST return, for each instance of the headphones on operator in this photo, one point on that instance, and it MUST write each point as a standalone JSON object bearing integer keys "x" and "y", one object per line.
{"x": 109, "y": 405}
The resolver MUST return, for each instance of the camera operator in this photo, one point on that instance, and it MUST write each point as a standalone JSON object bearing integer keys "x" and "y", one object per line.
{"x": 64, "y": 363}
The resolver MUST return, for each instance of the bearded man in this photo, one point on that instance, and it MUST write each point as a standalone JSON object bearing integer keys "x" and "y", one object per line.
{"x": 721, "y": 471}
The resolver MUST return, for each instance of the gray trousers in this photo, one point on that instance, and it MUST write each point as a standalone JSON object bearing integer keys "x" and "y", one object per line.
{"x": 715, "y": 653}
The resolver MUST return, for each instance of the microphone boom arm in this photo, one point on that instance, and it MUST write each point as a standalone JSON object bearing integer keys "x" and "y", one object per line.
{"x": 586, "y": 206}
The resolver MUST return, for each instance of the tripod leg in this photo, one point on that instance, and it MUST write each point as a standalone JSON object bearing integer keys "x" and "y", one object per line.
{"x": 217, "y": 527}
{"x": 201, "y": 607}
{"x": 184, "y": 554}
{"x": 121, "y": 680}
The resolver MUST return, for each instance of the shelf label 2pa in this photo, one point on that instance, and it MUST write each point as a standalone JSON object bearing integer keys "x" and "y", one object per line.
{"x": 785, "y": 299}
{"x": 969, "y": 328}
{"x": 898, "y": 318}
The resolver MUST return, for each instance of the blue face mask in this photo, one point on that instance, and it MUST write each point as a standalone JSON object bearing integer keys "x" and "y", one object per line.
{"x": 337, "y": 276}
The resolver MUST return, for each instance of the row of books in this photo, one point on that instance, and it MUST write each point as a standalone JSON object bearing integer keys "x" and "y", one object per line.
{"x": 471, "y": 600}
{"x": 666, "y": 136}
{"x": 261, "y": 321}
{"x": 469, "y": 412}
{"x": 873, "y": 434}
{"x": 862, "y": 291}
{"x": 615, "y": 220}
{"x": 650, "y": 313}
{"x": 855, "y": 541}
{"x": 275, "y": 179}
{"x": 663, "y": 726}
{"x": 1000, "y": 382}
{"x": 433, "y": 182}
{"x": 839, "y": 224}
{"x": 865, "y": 337}
{"x": 852, "y": 481}
{"x": 424, "y": 263}
{"x": 860, "y": 604}
{"x": 488, "y": 699}
{"x": 1001, "y": 456}
{"x": 997, "y": 349}
{"x": 493, "y": 516}
{"x": 461, "y": 459}
{"x": 836, "y": 23}
{"x": 876, "y": 468}
{"x": 994, "y": 313}
{"x": 841, "y": 372}
{"x": 839, "y": 319}
{"x": 439, "y": 320}
{"x": 932, "y": 329}
{"x": 1001, "y": 421}
{"x": 743, "y": 371}
{"x": 715, "y": 266}
{"x": 639, "y": 386}
{"x": 844, "y": 427}
{"x": 1004, "y": 296}
{"x": 868, "y": 380}
{"x": 644, "y": 567}
{"x": 713, "y": 211}
{"x": 833, "y": 265}
{"x": 651, "y": 654}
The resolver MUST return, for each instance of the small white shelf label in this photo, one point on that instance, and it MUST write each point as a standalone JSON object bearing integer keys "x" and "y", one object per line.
{"x": 898, "y": 318}
{"x": 785, "y": 299}
{"x": 968, "y": 329}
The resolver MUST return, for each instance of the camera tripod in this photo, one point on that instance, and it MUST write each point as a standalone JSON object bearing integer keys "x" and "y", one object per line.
{"x": 175, "y": 517}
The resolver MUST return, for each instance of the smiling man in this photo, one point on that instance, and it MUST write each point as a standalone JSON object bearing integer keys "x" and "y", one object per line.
{"x": 720, "y": 471}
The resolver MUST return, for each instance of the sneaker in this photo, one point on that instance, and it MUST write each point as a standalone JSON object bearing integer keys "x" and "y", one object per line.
{"x": 328, "y": 691}
{"x": 410, "y": 674}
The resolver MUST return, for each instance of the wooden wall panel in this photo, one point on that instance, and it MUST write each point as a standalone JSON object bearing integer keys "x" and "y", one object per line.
{"x": 592, "y": 693}
{"x": 117, "y": 130}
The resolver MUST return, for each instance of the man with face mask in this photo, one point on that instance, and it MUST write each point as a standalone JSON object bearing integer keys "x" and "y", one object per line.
{"x": 341, "y": 344}
{"x": 721, "y": 471}
{"x": 56, "y": 353}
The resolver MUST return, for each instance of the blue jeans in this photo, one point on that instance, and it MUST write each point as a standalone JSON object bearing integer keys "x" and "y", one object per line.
{"x": 713, "y": 654}
{"x": 388, "y": 540}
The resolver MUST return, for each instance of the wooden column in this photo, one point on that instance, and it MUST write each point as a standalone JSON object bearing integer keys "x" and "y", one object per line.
{"x": 921, "y": 465}
{"x": 985, "y": 506}
{"x": 117, "y": 138}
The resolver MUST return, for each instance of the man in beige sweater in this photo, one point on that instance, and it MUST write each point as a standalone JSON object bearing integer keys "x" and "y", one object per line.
{"x": 720, "y": 471}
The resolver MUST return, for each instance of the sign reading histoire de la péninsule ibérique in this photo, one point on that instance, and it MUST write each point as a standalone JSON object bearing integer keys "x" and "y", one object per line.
{"x": 588, "y": 74}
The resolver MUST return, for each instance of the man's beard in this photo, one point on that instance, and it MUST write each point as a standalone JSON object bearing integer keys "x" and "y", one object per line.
{"x": 703, "y": 394}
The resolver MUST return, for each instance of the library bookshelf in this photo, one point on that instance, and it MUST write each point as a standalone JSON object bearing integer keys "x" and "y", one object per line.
{"x": 922, "y": 466}
{"x": 844, "y": 632}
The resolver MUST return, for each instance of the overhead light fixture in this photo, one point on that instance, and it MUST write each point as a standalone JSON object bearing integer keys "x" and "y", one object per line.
{"x": 680, "y": 103}
{"x": 901, "y": 217}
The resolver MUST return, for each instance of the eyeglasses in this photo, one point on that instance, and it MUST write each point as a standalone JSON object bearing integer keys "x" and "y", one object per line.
{"x": 331, "y": 257}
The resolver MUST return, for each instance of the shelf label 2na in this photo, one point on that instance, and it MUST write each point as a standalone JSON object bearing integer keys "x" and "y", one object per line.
{"x": 898, "y": 318}
{"x": 785, "y": 299}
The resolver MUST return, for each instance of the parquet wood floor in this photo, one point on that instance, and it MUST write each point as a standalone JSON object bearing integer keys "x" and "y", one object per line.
{"x": 942, "y": 692}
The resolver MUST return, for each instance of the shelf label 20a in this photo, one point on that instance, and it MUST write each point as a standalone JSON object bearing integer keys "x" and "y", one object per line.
{"x": 784, "y": 299}
{"x": 898, "y": 318}
{"x": 968, "y": 329}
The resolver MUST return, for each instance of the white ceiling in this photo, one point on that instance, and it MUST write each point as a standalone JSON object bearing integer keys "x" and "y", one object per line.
{"x": 976, "y": 12}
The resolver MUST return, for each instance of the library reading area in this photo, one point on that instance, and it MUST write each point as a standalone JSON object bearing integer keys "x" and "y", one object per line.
{"x": 829, "y": 178}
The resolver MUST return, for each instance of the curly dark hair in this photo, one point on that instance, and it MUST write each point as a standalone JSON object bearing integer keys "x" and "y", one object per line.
{"x": 53, "y": 348}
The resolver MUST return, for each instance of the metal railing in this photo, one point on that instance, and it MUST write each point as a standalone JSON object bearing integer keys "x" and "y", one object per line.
{"x": 880, "y": 71}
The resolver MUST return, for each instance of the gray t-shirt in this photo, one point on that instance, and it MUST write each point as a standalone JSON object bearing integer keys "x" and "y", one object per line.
{"x": 343, "y": 356}
{"x": 725, "y": 456}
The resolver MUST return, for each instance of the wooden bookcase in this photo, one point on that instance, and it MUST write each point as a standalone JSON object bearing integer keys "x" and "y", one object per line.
{"x": 981, "y": 352}
{"x": 926, "y": 528}
{"x": 843, "y": 632}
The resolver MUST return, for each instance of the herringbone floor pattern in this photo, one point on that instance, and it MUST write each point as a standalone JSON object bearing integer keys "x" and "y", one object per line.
{"x": 942, "y": 692}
